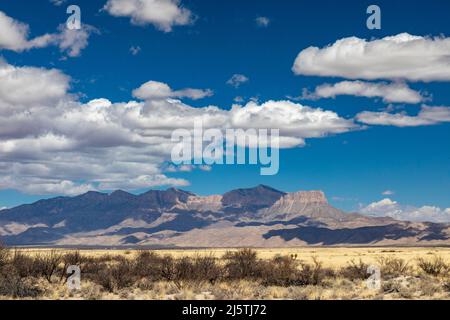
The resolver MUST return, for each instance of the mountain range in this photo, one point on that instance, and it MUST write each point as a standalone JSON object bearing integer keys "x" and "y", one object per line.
{"x": 253, "y": 217}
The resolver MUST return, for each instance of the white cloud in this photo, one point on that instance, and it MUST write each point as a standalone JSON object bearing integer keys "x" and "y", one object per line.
{"x": 389, "y": 92}
{"x": 388, "y": 193}
{"x": 295, "y": 121}
{"x": 390, "y": 208}
{"x": 262, "y": 21}
{"x": 29, "y": 86}
{"x": 58, "y": 2}
{"x": 163, "y": 14}
{"x": 52, "y": 143}
{"x": 145, "y": 181}
{"x": 237, "y": 79}
{"x": 427, "y": 116}
{"x": 134, "y": 50}
{"x": 153, "y": 90}
{"x": 14, "y": 36}
{"x": 403, "y": 56}
{"x": 73, "y": 41}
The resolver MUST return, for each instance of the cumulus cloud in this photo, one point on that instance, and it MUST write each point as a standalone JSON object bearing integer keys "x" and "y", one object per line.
{"x": 295, "y": 121}
{"x": 237, "y": 79}
{"x": 163, "y": 14}
{"x": 154, "y": 90}
{"x": 14, "y": 36}
{"x": 427, "y": 116}
{"x": 402, "y": 56}
{"x": 262, "y": 21}
{"x": 389, "y": 92}
{"x": 72, "y": 42}
{"x": 52, "y": 143}
{"x": 29, "y": 86}
{"x": 390, "y": 208}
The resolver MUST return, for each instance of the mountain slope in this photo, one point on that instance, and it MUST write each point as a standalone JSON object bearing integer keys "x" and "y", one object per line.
{"x": 260, "y": 216}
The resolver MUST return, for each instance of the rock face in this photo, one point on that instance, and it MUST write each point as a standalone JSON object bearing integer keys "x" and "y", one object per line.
{"x": 204, "y": 204}
{"x": 260, "y": 216}
{"x": 250, "y": 200}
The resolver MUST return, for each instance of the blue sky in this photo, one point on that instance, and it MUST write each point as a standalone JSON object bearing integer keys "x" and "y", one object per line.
{"x": 222, "y": 39}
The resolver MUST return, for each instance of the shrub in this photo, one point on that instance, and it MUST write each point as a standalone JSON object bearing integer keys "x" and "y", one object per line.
{"x": 46, "y": 264}
{"x": 116, "y": 275}
{"x": 16, "y": 287}
{"x": 73, "y": 258}
{"x": 393, "y": 267}
{"x": 167, "y": 269}
{"x": 355, "y": 270}
{"x": 206, "y": 269}
{"x": 280, "y": 271}
{"x": 104, "y": 278}
{"x": 446, "y": 285}
{"x": 435, "y": 266}
{"x": 23, "y": 265}
{"x": 242, "y": 264}
{"x": 312, "y": 274}
{"x": 123, "y": 273}
{"x": 4, "y": 255}
{"x": 70, "y": 259}
{"x": 148, "y": 265}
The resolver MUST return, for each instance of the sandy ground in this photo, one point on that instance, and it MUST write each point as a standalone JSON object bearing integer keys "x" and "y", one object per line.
{"x": 330, "y": 256}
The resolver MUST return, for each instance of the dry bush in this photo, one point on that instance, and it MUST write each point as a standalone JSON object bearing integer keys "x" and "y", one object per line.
{"x": 286, "y": 271}
{"x": 207, "y": 269}
{"x": 446, "y": 285}
{"x": 70, "y": 259}
{"x": 46, "y": 265}
{"x": 435, "y": 266}
{"x": 355, "y": 270}
{"x": 116, "y": 275}
{"x": 16, "y": 287}
{"x": 148, "y": 265}
{"x": 4, "y": 256}
{"x": 104, "y": 278}
{"x": 184, "y": 271}
{"x": 90, "y": 267}
{"x": 393, "y": 267}
{"x": 167, "y": 269}
{"x": 73, "y": 258}
{"x": 123, "y": 274}
{"x": 22, "y": 264}
{"x": 242, "y": 264}
{"x": 280, "y": 271}
{"x": 312, "y": 274}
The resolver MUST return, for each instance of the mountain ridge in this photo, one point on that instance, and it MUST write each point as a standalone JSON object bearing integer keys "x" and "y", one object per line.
{"x": 258, "y": 216}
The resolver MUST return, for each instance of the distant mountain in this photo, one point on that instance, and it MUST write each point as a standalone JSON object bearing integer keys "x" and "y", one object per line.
{"x": 255, "y": 217}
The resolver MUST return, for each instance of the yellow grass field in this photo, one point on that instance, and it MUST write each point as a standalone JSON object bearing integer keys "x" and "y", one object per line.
{"x": 303, "y": 273}
{"x": 332, "y": 257}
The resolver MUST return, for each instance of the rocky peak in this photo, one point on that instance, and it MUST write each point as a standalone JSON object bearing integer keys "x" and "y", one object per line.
{"x": 306, "y": 197}
{"x": 258, "y": 196}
